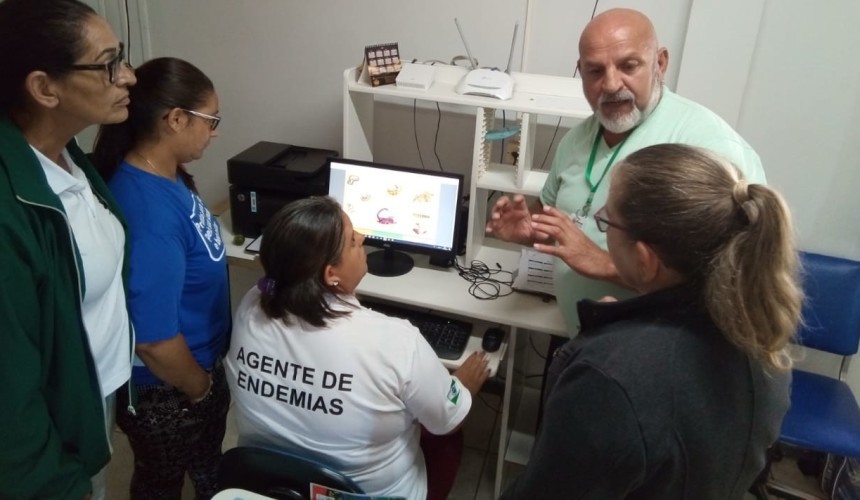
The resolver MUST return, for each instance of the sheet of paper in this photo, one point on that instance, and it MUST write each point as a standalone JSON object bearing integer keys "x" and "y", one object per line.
{"x": 254, "y": 246}
{"x": 535, "y": 272}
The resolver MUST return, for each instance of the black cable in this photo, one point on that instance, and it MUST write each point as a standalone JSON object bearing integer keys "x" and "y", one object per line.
{"x": 534, "y": 347}
{"x": 415, "y": 130}
{"x": 551, "y": 141}
{"x": 436, "y": 139}
{"x": 431, "y": 62}
{"x": 464, "y": 58}
{"x": 484, "y": 286}
{"x": 128, "y": 33}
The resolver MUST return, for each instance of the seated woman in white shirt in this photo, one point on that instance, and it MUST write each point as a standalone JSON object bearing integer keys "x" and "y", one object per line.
{"x": 312, "y": 371}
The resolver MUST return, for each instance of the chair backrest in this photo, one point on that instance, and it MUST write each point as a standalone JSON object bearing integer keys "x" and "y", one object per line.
{"x": 278, "y": 474}
{"x": 831, "y": 311}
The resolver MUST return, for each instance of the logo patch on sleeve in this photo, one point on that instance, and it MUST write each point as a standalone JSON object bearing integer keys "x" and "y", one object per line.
{"x": 454, "y": 392}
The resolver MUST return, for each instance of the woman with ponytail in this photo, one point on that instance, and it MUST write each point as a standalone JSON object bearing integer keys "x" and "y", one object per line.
{"x": 179, "y": 295}
{"x": 676, "y": 393}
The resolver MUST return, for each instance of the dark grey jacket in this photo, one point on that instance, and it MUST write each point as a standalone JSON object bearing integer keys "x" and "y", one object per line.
{"x": 651, "y": 401}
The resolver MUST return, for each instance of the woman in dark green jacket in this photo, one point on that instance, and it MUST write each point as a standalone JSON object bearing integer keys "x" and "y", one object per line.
{"x": 65, "y": 343}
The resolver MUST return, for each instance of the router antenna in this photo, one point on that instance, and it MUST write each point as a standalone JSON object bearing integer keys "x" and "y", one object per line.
{"x": 513, "y": 44}
{"x": 466, "y": 44}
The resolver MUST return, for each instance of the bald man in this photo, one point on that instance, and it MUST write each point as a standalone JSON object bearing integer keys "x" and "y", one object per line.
{"x": 622, "y": 67}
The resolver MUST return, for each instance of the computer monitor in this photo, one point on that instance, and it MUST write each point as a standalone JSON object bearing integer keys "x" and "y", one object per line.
{"x": 398, "y": 209}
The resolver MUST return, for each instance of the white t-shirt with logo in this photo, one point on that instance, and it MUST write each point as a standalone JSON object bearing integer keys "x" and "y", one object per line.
{"x": 349, "y": 395}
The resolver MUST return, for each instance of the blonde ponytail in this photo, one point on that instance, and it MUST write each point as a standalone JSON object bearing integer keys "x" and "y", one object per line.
{"x": 732, "y": 239}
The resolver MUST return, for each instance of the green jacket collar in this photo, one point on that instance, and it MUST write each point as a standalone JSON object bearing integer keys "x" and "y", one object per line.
{"x": 26, "y": 182}
{"x": 30, "y": 184}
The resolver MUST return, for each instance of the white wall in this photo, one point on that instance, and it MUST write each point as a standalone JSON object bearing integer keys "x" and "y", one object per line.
{"x": 718, "y": 54}
{"x": 801, "y": 109}
{"x": 277, "y": 64}
{"x": 554, "y": 28}
{"x": 797, "y": 101}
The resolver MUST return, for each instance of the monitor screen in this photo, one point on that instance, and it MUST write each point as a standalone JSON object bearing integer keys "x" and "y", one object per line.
{"x": 398, "y": 209}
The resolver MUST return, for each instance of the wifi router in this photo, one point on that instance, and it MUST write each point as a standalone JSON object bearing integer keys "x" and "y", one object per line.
{"x": 488, "y": 83}
{"x": 485, "y": 81}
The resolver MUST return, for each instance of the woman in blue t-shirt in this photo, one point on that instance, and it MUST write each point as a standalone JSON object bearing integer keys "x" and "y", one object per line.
{"x": 178, "y": 293}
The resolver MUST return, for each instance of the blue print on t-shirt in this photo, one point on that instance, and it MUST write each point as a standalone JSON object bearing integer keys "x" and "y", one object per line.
{"x": 207, "y": 227}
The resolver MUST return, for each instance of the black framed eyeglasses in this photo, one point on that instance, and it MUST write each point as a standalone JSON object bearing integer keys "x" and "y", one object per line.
{"x": 603, "y": 224}
{"x": 213, "y": 120}
{"x": 112, "y": 67}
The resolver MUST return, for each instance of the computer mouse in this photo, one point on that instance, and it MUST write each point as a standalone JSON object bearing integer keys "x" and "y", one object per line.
{"x": 492, "y": 340}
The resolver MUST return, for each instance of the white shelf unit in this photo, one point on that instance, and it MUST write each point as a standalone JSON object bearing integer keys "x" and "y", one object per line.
{"x": 489, "y": 176}
{"x": 534, "y": 95}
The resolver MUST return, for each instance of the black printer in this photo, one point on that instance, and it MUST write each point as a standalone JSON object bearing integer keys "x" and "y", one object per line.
{"x": 267, "y": 176}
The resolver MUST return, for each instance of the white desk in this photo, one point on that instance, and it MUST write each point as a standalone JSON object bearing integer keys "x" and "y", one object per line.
{"x": 440, "y": 289}
{"x": 443, "y": 290}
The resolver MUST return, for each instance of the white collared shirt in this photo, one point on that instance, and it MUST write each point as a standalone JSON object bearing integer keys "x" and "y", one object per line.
{"x": 100, "y": 239}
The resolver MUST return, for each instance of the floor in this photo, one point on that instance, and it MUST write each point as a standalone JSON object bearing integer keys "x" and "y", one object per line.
{"x": 477, "y": 471}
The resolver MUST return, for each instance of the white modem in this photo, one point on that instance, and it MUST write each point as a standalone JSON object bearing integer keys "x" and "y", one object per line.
{"x": 415, "y": 76}
{"x": 485, "y": 81}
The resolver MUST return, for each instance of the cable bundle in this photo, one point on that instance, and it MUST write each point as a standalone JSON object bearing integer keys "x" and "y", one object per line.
{"x": 485, "y": 283}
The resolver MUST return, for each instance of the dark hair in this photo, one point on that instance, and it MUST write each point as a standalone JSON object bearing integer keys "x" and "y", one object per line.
{"x": 38, "y": 35}
{"x": 732, "y": 240}
{"x": 162, "y": 84}
{"x": 298, "y": 243}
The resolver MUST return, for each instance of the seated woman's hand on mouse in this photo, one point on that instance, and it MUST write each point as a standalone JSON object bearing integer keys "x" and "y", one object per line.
{"x": 474, "y": 371}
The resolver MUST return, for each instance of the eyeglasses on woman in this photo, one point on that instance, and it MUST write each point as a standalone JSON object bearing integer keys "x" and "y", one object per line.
{"x": 112, "y": 67}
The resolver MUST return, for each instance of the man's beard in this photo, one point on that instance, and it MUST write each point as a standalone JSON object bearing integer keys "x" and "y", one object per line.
{"x": 620, "y": 124}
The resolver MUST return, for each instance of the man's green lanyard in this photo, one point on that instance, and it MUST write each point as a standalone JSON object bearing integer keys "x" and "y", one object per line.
{"x": 583, "y": 212}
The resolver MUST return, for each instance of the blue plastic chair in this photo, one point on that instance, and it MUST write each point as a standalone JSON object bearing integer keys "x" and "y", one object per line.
{"x": 824, "y": 415}
{"x": 278, "y": 474}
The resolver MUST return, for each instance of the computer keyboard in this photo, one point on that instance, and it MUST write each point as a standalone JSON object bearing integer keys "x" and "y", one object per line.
{"x": 448, "y": 337}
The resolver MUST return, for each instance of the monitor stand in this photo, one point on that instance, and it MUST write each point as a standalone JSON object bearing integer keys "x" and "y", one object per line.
{"x": 389, "y": 262}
